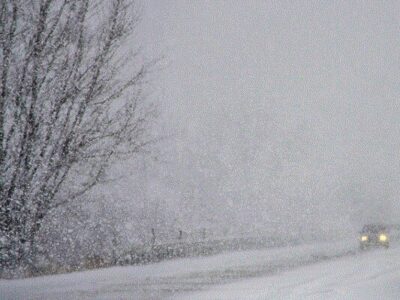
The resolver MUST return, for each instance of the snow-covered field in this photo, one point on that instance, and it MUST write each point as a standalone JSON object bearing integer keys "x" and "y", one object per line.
{"x": 329, "y": 270}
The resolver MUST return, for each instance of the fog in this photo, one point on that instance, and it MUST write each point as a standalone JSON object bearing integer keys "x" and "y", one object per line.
{"x": 137, "y": 131}
{"x": 278, "y": 117}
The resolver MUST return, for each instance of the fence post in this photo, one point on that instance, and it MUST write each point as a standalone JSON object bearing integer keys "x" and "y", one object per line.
{"x": 153, "y": 238}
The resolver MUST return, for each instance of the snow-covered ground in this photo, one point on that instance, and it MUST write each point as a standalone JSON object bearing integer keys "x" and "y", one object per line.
{"x": 370, "y": 275}
{"x": 326, "y": 270}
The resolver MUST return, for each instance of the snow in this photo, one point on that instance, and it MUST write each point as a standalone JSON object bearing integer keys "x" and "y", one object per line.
{"x": 371, "y": 275}
{"x": 315, "y": 271}
{"x": 170, "y": 278}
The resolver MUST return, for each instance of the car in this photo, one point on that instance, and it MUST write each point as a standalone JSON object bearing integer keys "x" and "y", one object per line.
{"x": 374, "y": 235}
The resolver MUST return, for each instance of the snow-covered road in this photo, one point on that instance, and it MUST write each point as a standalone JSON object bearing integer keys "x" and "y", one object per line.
{"x": 370, "y": 275}
{"x": 326, "y": 270}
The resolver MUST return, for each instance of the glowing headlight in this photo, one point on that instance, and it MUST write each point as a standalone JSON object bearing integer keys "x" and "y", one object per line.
{"x": 383, "y": 237}
{"x": 364, "y": 238}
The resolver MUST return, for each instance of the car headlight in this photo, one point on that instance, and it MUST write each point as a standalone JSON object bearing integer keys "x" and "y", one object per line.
{"x": 364, "y": 238}
{"x": 383, "y": 237}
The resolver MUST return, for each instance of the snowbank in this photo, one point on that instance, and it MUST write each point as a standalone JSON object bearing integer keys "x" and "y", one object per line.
{"x": 169, "y": 278}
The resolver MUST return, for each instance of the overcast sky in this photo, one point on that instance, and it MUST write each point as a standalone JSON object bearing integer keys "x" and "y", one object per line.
{"x": 324, "y": 72}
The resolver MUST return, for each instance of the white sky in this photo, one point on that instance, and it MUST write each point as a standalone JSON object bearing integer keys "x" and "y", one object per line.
{"x": 326, "y": 70}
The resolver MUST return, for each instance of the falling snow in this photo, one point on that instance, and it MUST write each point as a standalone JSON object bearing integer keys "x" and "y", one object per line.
{"x": 140, "y": 134}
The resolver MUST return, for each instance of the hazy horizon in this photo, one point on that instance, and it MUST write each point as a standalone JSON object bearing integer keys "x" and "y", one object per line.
{"x": 281, "y": 113}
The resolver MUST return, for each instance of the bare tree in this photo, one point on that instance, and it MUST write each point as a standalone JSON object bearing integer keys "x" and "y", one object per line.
{"x": 66, "y": 112}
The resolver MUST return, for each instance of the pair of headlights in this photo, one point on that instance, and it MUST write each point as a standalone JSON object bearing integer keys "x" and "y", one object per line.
{"x": 382, "y": 238}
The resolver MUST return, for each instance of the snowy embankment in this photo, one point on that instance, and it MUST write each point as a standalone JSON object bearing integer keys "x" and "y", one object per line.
{"x": 172, "y": 278}
{"x": 370, "y": 275}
